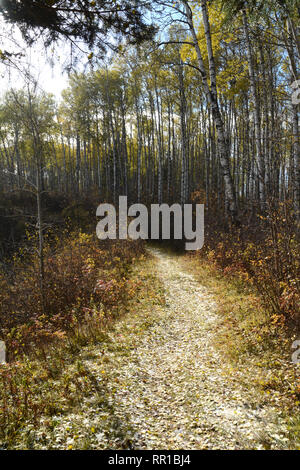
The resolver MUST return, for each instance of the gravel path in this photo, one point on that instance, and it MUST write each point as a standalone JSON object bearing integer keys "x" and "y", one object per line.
{"x": 177, "y": 393}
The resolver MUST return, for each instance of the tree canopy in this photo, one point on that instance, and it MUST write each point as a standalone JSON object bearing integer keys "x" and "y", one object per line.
{"x": 85, "y": 20}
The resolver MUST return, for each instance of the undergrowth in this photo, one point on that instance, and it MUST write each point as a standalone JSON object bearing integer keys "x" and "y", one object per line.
{"x": 89, "y": 285}
{"x": 250, "y": 336}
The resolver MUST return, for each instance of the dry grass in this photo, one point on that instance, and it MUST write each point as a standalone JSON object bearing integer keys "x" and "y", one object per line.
{"x": 101, "y": 389}
{"x": 250, "y": 337}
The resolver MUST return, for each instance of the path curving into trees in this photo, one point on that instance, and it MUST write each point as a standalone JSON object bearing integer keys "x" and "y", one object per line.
{"x": 177, "y": 393}
{"x": 159, "y": 379}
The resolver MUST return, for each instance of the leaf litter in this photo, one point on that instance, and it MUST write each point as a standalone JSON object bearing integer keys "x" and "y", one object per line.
{"x": 164, "y": 383}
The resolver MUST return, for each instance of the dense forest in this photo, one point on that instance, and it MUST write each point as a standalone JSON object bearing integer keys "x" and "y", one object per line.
{"x": 201, "y": 108}
{"x": 210, "y": 120}
{"x": 152, "y": 123}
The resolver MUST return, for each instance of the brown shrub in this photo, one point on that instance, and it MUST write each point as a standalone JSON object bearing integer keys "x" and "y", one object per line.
{"x": 82, "y": 276}
{"x": 264, "y": 250}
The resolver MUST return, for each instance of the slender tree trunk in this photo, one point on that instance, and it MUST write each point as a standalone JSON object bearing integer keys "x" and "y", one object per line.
{"x": 183, "y": 198}
{"x": 40, "y": 231}
{"x": 212, "y": 99}
{"x": 257, "y": 125}
{"x": 78, "y": 164}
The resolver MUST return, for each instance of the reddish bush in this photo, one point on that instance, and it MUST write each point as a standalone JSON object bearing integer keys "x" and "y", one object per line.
{"x": 81, "y": 275}
{"x": 264, "y": 250}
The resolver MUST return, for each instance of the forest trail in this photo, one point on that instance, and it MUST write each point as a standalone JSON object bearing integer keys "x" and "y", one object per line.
{"x": 177, "y": 393}
{"x": 161, "y": 381}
